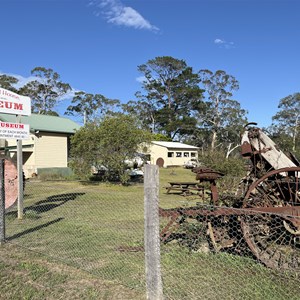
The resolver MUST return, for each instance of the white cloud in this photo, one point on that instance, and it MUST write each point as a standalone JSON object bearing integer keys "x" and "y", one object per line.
{"x": 115, "y": 12}
{"x": 224, "y": 44}
{"x": 219, "y": 41}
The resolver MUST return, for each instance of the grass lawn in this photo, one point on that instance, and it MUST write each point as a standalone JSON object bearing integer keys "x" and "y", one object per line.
{"x": 86, "y": 242}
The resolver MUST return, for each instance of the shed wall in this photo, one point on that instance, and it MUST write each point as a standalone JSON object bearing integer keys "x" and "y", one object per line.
{"x": 51, "y": 150}
{"x": 179, "y": 158}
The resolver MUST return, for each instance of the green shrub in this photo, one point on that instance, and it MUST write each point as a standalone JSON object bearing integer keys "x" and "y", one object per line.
{"x": 231, "y": 166}
{"x": 55, "y": 173}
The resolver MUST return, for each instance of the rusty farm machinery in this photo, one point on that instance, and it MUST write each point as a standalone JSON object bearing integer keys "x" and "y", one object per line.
{"x": 263, "y": 218}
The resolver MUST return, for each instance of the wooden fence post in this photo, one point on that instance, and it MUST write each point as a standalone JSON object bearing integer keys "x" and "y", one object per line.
{"x": 151, "y": 233}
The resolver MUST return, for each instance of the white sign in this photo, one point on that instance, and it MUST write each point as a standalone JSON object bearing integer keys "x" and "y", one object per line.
{"x": 14, "y": 131}
{"x": 12, "y": 103}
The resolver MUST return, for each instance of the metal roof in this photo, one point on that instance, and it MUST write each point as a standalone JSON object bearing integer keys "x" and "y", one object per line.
{"x": 174, "y": 145}
{"x": 44, "y": 123}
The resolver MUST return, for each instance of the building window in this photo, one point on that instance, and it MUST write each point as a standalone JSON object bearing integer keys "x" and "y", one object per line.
{"x": 178, "y": 154}
{"x": 193, "y": 154}
{"x": 186, "y": 154}
{"x": 170, "y": 154}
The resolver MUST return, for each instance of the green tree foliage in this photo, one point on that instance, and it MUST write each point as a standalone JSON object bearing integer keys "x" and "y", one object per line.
{"x": 223, "y": 117}
{"x": 91, "y": 107}
{"x": 233, "y": 166}
{"x": 85, "y": 150}
{"x": 107, "y": 144}
{"x": 172, "y": 96}
{"x": 143, "y": 111}
{"x": 8, "y": 82}
{"x": 45, "y": 91}
{"x": 286, "y": 121}
{"x": 160, "y": 137}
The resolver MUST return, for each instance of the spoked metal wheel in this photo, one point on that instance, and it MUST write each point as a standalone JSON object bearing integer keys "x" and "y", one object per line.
{"x": 273, "y": 233}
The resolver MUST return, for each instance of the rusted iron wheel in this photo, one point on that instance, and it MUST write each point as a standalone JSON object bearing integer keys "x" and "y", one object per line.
{"x": 274, "y": 238}
{"x": 276, "y": 188}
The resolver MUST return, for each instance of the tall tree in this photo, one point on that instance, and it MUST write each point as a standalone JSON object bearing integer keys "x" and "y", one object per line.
{"x": 107, "y": 144}
{"x": 222, "y": 113}
{"x": 8, "y": 82}
{"x": 143, "y": 111}
{"x": 45, "y": 91}
{"x": 286, "y": 121}
{"x": 91, "y": 107}
{"x": 172, "y": 95}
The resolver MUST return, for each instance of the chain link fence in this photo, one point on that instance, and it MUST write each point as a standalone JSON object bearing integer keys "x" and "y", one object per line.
{"x": 97, "y": 228}
{"x": 206, "y": 252}
{"x": 217, "y": 252}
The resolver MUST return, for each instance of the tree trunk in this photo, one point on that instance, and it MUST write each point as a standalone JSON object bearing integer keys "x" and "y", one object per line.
{"x": 295, "y": 134}
{"x": 229, "y": 150}
{"x": 213, "y": 140}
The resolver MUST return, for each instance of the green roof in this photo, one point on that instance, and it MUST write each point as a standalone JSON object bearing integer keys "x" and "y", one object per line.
{"x": 44, "y": 123}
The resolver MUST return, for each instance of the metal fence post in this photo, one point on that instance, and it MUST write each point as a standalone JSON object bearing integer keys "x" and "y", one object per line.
{"x": 20, "y": 175}
{"x": 2, "y": 203}
{"x": 151, "y": 233}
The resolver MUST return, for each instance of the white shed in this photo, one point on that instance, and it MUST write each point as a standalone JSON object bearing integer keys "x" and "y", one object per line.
{"x": 167, "y": 154}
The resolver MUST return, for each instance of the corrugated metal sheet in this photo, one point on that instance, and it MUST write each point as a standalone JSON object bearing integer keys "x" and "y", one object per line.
{"x": 176, "y": 145}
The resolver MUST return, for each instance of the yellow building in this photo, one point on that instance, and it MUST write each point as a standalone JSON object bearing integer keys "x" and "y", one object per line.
{"x": 167, "y": 154}
{"x": 48, "y": 144}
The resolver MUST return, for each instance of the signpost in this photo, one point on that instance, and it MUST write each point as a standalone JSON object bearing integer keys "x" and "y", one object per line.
{"x": 12, "y": 103}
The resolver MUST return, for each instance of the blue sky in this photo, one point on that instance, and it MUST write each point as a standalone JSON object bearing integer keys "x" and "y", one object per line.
{"x": 97, "y": 45}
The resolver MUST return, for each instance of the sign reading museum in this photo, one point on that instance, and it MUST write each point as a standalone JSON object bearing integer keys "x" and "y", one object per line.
{"x": 14, "y": 131}
{"x": 12, "y": 103}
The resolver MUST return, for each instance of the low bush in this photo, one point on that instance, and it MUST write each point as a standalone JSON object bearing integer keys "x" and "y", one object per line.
{"x": 232, "y": 166}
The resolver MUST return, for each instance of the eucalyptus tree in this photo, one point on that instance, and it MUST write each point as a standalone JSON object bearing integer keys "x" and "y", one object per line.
{"x": 143, "y": 111}
{"x": 171, "y": 96}
{"x": 8, "y": 82}
{"x": 223, "y": 116}
{"x": 45, "y": 91}
{"x": 286, "y": 121}
{"x": 91, "y": 107}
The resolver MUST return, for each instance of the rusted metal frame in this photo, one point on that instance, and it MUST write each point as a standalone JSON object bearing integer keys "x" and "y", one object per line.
{"x": 273, "y": 172}
{"x": 259, "y": 188}
{"x": 297, "y": 181}
{"x": 288, "y": 211}
{"x": 279, "y": 187}
{"x": 214, "y": 192}
{"x": 174, "y": 214}
{"x": 289, "y": 189}
{"x": 165, "y": 233}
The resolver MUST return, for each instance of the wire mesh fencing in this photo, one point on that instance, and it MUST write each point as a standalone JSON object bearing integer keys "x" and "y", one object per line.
{"x": 207, "y": 252}
{"x": 98, "y": 228}
{"x": 219, "y": 252}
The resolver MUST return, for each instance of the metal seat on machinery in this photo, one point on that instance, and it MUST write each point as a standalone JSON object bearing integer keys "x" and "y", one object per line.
{"x": 204, "y": 174}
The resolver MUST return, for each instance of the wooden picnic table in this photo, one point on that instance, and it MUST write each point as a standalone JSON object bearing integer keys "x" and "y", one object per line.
{"x": 184, "y": 188}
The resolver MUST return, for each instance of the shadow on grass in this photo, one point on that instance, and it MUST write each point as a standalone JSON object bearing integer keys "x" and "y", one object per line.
{"x": 53, "y": 202}
{"x": 48, "y": 204}
{"x": 30, "y": 230}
